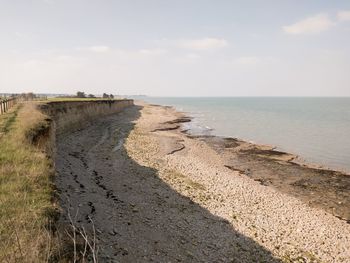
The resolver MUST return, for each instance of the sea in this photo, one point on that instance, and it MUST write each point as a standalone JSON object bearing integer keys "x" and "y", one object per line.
{"x": 315, "y": 129}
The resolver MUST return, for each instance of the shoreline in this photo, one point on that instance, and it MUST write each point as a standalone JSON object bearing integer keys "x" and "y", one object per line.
{"x": 163, "y": 196}
{"x": 303, "y": 187}
{"x": 298, "y": 159}
{"x": 312, "y": 160}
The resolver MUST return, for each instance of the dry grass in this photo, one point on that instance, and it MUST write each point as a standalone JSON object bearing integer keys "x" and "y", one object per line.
{"x": 28, "y": 213}
{"x": 26, "y": 206}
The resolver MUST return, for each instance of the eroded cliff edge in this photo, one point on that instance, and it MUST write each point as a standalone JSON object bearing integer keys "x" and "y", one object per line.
{"x": 29, "y": 204}
{"x": 61, "y": 119}
{"x": 70, "y": 115}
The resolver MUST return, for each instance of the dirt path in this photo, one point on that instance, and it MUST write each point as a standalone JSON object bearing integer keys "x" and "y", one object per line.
{"x": 156, "y": 195}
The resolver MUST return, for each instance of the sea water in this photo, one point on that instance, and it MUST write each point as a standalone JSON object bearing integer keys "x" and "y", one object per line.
{"x": 316, "y": 129}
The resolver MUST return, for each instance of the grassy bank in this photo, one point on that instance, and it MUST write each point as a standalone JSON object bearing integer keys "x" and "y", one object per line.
{"x": 26, "y": 206}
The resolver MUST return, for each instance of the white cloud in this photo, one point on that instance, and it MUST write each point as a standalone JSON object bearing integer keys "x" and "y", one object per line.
{"x": 203, "y": 43}
{"x": 126, "y": 53}
{"x": 311, "y": 25}
{"x": 154, "y": 51}
{"x": 97, "y": 49}
{"x": 343, "y": 15}
{"x": 20, "y": 34}
{"x": 50, "y": 2}
{"x": 247, "y": 60}
{"x": 193, "y": 56}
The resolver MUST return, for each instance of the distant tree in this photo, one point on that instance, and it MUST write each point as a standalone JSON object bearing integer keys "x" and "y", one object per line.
{"x": 105, "y": 96}
{"x": 28, "y": 96}
{"x": 91, "y": 96}
{"x": 111, "y": 96}
{"x": 81, "y": 94}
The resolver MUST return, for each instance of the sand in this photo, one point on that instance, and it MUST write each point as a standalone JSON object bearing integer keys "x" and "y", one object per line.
{"x": 155, "y": 194}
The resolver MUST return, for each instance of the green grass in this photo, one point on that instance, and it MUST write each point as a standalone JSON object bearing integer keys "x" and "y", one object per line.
{"x": 8, "y": 119}
{"x": 25, "y": 189}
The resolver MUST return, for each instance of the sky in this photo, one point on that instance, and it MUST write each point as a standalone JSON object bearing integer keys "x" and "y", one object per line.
{"x": 176, "y": 48}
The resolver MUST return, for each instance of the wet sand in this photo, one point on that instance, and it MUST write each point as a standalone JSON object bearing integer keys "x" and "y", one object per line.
{"x": 155, "y": 193}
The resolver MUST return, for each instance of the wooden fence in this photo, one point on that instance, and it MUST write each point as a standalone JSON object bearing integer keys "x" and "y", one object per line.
{"x": 7, "y": 103}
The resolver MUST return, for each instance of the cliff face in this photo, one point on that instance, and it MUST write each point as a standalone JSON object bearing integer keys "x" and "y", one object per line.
{"x": 67, "y": 116}
{"x": 71, "y": 115}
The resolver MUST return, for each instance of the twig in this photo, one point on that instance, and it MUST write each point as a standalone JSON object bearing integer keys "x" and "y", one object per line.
{"x": 74, "y": 237}
{"x": 49, "y": 242}
{"x": 87, "y": 243}
{"x": 19, "y": 245}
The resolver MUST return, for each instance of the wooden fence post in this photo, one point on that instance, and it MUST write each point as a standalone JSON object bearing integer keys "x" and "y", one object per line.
{"x": 6, "y": 104}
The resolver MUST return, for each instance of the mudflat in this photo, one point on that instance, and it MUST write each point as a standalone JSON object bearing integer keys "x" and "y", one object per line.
{"x": 155, "y": 193}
